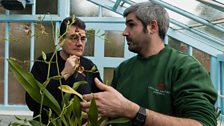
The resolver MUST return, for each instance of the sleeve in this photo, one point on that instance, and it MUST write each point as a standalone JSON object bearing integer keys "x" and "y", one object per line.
{"x": 95, "y": 74}
{"x": 194, "y": 95}
{"x": 116, "y": 74}
{"x": 114, "y": 80}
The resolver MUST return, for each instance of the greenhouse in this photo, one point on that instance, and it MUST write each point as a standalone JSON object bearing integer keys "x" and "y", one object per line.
{"x": 30, "y": 28}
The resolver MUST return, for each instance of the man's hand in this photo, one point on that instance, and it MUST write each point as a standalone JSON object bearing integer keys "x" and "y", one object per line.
{"x": 70, "y": 66}
{"x": 110, "y": 102}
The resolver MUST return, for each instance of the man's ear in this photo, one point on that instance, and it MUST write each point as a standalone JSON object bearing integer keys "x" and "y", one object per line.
{"x": 152, "y": 26}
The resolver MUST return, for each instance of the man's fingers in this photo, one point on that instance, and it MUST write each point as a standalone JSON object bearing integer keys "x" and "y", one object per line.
{"x": 100, "y": 85}
{"x": 85, "y": 111}
{"x": 88, "y": 97}
{"x": 85, "y": 105}
{"x": 73, "y": 56}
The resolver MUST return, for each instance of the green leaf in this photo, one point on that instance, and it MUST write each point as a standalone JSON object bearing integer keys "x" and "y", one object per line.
{"x": 46, "y": 82}
{"x": 98, "y": 31}
{"x": 56, "y": 122}
{"x": 74, "y": 121}
{"x": 36, "y": 123}
{"x": 88, "y": 124}
{"x": 102, "y": 34}
{"x": 118, "y": 120}
{"x": 22, "y": 75}
{"x": 75, "y": 87}
{"x": 44, "y": 56}
{"x": 17, "y": 124}
{"x": 73, "y": 19}
{"x": 56, "y": 77}
{"x": 32, "y": 86}
{"x": 25, "y": 79}
{"x": 50, "y": 113}
{"x": 103, "y": 121}
{"x": 93, "y": 113}
{"x": 77, "y": 107}
{"x": 49, "y": 100}
{"x": 78, "y": 83}
{"x": 18, "y": 118}
{"x": 68, "y": 89}
{"x": 66, "y": 98}
{"x": 93, "y": 68}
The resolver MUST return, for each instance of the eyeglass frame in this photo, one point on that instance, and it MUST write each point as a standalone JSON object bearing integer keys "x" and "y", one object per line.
{"x": 77, "y": 37}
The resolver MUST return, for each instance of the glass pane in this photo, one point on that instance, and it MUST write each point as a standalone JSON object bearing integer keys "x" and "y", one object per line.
{"x": 83, "y": 8}
{"x": 89, "y": 47}
{"x": 196, "y": 8}
{"x": 208, "y": 12}
{"x": 202, "y": 57}
{"x": 43, "y": 42}
{"x": 2, "y": 10}
{"x": 212, "y": 32}
{"x": 108, "y": 75}
{"x": 108, "y": 13}
{"x": 18, "y": 49}
{"x": 178, "y": 45}
{"x": 114, "y": 44}
{"x": 16, "y": 92}
{"x": 200, "y": 10}
{"x": 2, "y": 48}
{"x": 19, "y": 42}
{"x": 47, "y": 6}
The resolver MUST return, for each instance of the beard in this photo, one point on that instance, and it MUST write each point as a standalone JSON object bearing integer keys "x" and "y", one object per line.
{"x": 133, "y": 47}
{"x": 137, "y": 46}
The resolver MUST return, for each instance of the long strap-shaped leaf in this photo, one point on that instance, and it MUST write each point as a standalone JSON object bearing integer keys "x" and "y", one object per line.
{"x": 32, "y": 86}
{"x": 93, "y": 113}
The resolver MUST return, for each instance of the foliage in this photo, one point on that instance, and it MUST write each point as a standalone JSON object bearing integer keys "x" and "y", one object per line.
{"x": 70, "y": 112}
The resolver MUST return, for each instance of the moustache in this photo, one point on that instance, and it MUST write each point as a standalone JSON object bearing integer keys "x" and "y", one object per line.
{"x": 128, "y": 39}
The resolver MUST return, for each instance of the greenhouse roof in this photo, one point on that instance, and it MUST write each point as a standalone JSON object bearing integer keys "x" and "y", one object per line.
{"x": 201, "y": 20}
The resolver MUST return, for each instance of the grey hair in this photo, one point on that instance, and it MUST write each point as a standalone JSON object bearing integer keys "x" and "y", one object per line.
{"x": 149, "y": 11}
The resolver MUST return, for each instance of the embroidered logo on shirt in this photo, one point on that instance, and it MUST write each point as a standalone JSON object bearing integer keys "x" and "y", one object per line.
{"x": 161, "y": 86}
{"x": 160, "y": 89}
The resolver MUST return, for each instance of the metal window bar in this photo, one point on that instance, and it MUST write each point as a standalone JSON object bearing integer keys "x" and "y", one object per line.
{"x": 220, "y": 60}
{"x": 190, "y": 15}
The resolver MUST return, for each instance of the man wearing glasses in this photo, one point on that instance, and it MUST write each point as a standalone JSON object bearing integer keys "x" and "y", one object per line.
{"x": 67, "y": 63}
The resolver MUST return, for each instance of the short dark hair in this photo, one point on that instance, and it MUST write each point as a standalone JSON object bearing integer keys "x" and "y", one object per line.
{"x": 77, "y": 22}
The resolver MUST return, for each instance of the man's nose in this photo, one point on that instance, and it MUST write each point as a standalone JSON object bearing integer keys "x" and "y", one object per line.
{"x": 125, "y": 33}
{"x": 79, "y": 41}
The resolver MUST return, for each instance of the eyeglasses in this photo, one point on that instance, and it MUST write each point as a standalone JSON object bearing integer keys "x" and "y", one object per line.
{"x": 75, "y": 38}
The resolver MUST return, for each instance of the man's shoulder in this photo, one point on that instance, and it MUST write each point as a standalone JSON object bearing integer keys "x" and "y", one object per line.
{"x": 46, "y": 56}
{"x": 128, "y": 61}
{"x": 131, "y": 59}
{"x": 85, "y": 60}
{"x": 177, "y": 54}
{"x": 183, "y": 59}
